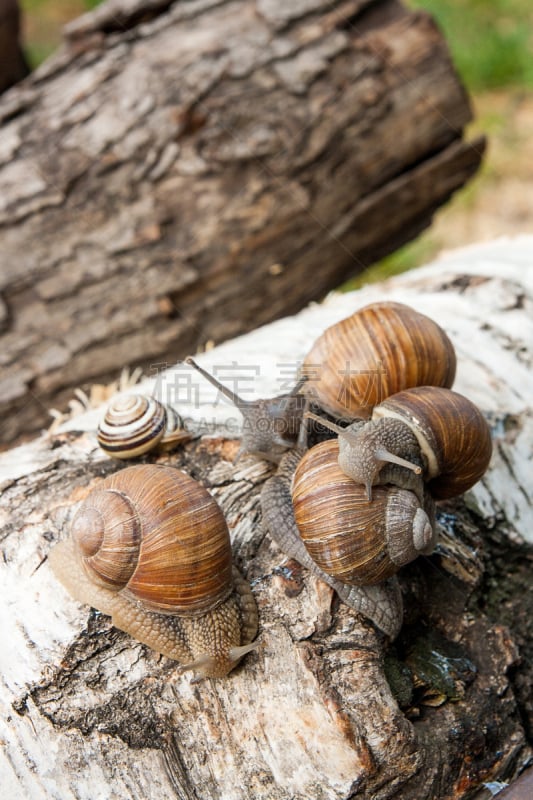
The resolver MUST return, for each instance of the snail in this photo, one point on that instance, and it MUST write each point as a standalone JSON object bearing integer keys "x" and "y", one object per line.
{"x": 356, "y": 509}
{"x": 270, "y": 426}
{"x": 370, "y": 540}
{"x": 322, "y": 518}
{"x": 379, "y": 350}
{"x": 150, "y": 546}
{"x": 426, "y": 434}
{"x": 134, "y": 424}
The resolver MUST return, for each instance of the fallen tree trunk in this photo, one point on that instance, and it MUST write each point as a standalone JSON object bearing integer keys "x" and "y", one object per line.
{"x": 87, "y": 712}
{"x": 178, "y": 171}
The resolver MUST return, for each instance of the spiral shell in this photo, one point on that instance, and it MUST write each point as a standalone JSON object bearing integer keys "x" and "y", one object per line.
{"x": 355, "y": 541}
{"x": 157, "y": 534}
{"x": 381, "y": 349}
{"x": 135, "y": 424}
{"x": 174, "y": 432}
{"x": 453, "y": 435}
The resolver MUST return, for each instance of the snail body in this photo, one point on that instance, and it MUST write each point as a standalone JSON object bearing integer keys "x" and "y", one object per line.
{"x": 321, "y": 518}
{"x": 357, "y": 509}
{"x": 270, "y": 425}
{"x": 379, "y": 350}
{"x": 426, "y": 435}
{"x": 151, "y": 547}
{"x": 135, "y": 424}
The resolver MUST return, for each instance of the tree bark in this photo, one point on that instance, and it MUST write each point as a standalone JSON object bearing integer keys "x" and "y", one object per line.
{"x": 178, "y": 171}
{"x": 326, "y": 708}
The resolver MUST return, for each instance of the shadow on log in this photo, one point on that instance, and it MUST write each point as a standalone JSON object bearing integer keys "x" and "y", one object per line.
{"x": 180, "y": 173}
{"x": 13, "y": 64}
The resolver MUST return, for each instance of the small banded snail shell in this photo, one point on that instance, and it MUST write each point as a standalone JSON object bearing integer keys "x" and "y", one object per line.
{"x": 135, "y": 424}
{"x": 174, "y": 433}
{"x": 379, "y": 350}
{"x": 150, "y": 546}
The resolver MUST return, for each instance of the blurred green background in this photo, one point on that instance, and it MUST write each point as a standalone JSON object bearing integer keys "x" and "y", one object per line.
{"x": 42, "y": 23}
{"x": 491, "y": 42}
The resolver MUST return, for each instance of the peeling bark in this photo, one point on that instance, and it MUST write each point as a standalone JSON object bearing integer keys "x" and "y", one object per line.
{"x": 326, "y": 708}
{"x": 177, "y": 172}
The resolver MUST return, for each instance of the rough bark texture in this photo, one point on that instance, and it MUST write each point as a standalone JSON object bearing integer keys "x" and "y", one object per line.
{"x": 86, "y": 712}
{"x": 182, "y": 172}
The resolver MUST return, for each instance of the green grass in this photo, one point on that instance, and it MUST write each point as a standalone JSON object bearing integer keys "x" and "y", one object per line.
{"x": 39, "y": 5}
{"x": 42, "y": 23}
{"x": 491, "y": 40}
{"x": 405, "y": 258}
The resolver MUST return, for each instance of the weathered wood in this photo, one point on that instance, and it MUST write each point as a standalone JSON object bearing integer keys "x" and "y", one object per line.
{"x": 178, "y": 171}
{"x": 87, "y": 712}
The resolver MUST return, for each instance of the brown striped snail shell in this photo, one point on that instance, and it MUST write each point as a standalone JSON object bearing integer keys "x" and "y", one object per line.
{"x": 379, "y": 350}
{"x": 135, "y": 424}
{"x": 354, "y": 541}
{"x": 175, "y": 432}
{"x": 150, "y": 546}
{"x": 427, "y": 431}
{"x": 452, "y": 433}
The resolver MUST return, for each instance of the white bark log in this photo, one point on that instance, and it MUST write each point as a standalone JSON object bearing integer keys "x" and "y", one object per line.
{"x": 87, "y": 713}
